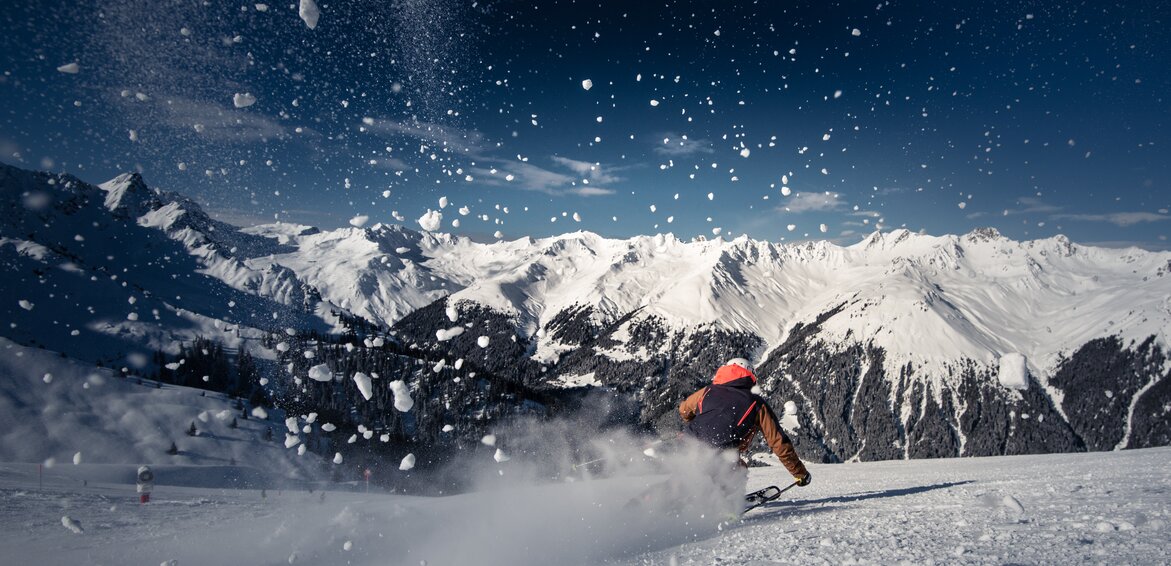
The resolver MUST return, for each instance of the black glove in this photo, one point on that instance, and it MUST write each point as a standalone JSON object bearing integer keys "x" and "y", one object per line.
{"x": 804, "y": 480}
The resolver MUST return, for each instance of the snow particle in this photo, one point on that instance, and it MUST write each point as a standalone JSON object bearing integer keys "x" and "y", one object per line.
{"x": 72, "y": 525}
{"x": 489, "y": 440}
{"x": 856, "y": 32}
{"x": 1011, "y": 503}
{"x": 363, "y": 382}
{"x": 337, "y": 457}
{"x": 402, "y": 396}
{"x": 483, "y": 341}
{"x": 500, "y": 456}
{"x": 1013, "y": 371}
{"x": 431, "y": 221}
{"x": 320, "y": 372}
{"x": 445, "y": 335}
{"x": 587, "y": 84}
{"x": 69, "y": 69}
{"x": 359, "y": 220}
{"x": 408, "y": 462}
{"x": 309, "y": 13}
{"x": 243, "y": 100}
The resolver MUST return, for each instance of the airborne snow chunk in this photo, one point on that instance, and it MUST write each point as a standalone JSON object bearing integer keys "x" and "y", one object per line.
{"x": 1011, "y": 503}
{"x": 70, "y": 68}
{"x": 489, "y": 440}
{"x": 337, "y": 458}
{"x": 1013, "y": 371}
{"x": 431, "y": 220}
{"x": 500, "y": 456}
{"x": 482, "y": 341}
{"x": 789, "y": 420}
{"x": 407, "y": 463}
{"x": 71, "y": 524}
{"x": 320, "y": 372}
{"x": 243, "y": 100}
{"x": 587, "y": 84}
{"x": 445, "y": 335}
{"x": 363, "y": 382}
{"x": 359, "y": 220}
{"x": 309, "y": 13}
{"x": 402, "y": 396}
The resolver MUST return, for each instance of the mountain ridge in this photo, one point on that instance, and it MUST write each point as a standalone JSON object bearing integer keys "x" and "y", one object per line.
{"x": 915, "y": 326}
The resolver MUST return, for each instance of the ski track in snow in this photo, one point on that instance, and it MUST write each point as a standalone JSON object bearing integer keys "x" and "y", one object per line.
{"x": 1077, "y": 508}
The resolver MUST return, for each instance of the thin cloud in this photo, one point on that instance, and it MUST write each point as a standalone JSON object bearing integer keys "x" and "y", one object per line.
{"x": 530, "y": 177}
{"x": 391, "y": 163}
{"x": 590, "y": 191}
{"x": 1121, "y": 219}
{"x": 813, "y": 202}
{"x": 218, "y": 123}
{"x": 462, "y": 141}
{"x": 674, "y": 145}
{"x": 1031, "y": 205}
{"x": 592, "y": 171}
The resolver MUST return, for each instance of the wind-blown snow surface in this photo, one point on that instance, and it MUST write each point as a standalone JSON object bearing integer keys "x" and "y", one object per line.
{"x": 1054, "y": 509}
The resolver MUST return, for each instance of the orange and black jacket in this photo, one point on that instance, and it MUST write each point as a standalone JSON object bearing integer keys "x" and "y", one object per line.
{"x": 727, "y": 414}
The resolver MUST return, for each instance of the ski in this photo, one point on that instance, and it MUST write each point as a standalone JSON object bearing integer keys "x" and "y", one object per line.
{"x": 760, "y": 497}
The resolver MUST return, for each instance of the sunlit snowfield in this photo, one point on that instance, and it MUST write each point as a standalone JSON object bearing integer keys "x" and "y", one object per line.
{"x": 1056, "y": 509}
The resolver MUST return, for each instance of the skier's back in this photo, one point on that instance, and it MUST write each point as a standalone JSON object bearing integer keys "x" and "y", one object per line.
{"x": 727, "y": 414}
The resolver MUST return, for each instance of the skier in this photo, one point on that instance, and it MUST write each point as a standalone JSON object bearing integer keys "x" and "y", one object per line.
{"x": 727, "y": 414}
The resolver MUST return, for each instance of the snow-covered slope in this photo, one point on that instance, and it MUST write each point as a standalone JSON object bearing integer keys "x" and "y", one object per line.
{"x": 62, "y": 411}
{"x": 111, "y": 272}
{"x": 1052, "y": 509}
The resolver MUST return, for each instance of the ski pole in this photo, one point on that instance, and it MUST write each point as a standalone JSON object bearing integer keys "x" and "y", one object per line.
{"x": 787, "y": 488}
{"x": 604, "y": 458}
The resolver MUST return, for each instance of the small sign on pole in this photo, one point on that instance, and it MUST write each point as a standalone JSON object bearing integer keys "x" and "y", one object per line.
{"x": 145, "y": 481}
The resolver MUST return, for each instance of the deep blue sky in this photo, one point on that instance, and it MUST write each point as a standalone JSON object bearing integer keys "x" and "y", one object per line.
{"x": 1040, "y": 118}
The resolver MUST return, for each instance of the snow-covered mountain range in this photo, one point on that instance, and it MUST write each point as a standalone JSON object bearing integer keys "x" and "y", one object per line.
{"x": 901, "y": 345}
